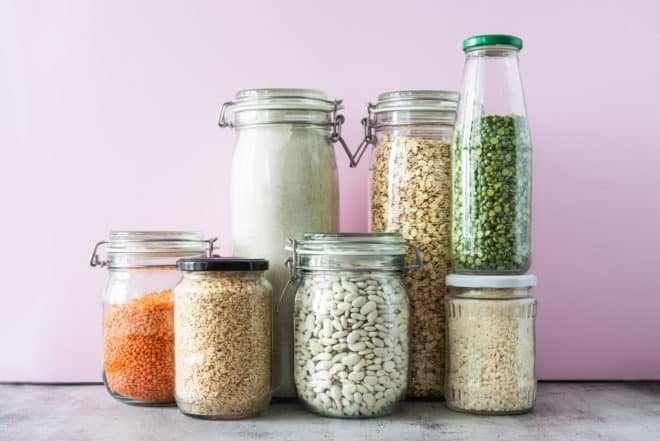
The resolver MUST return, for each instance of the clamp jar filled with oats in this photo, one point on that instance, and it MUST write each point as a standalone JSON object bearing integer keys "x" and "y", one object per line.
{"x": 411, "y": 193}
{"x": 222, "y": 324}
{"x": 350, "y": 322}
{"x": 138, "y": 329}
{"x": 490, "y": 344}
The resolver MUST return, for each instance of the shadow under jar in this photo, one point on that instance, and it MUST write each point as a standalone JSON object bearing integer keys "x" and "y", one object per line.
{"x": 222, "y": 322}
{"x": 491, "y": 344}
{"x": 491, "y": 162}
{"x": 410, "y": 177}
{"x": 138, "y": 325}
{"x": 350, "y": 323}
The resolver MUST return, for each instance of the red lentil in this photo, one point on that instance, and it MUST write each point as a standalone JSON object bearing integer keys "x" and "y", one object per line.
{"x": 139, "y": 347}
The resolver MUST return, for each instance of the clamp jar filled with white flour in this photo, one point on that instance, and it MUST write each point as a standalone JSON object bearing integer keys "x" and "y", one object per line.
{"x": 283, "y": 183}
{"x": 350, "y": 322}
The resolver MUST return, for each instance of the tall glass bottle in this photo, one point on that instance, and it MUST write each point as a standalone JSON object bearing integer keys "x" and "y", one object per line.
{"x": 491, "y": 162}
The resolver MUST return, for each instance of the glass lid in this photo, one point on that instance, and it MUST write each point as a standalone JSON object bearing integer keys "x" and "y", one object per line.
{"x": 283, "y": 99}
{"x": 351, "y": 252}
{"x": 363, "y": 244}
{"x": 432, "y": 100}
{"x": 156, "y": 241}
{"x": 132, "y": 249}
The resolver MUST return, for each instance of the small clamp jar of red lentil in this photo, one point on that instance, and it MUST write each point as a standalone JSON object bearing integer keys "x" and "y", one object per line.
{"x": 138, "y": 310}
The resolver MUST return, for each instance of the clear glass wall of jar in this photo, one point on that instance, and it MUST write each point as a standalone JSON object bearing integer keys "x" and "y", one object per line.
{"x": 138, "y": 323}
{"x": 222, "y": 323}
{"x": 410, "y": 188}
{"x": 283, "y": 183}
{"x": 490, "y": 344}
{"x": 491, "y": 162}
{"x": 350, "y": 323}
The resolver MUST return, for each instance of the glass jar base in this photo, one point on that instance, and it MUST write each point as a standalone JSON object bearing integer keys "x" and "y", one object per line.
{"x": 425, "y": 398}
{"x": 490, "y": 412}
{"x": 387, "y": 411}
{"x": 193, "y": 411}
{"x": 134, "y": 401}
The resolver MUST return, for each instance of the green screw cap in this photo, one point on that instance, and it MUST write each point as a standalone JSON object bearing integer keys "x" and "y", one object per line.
{"x": 491, "y": 39}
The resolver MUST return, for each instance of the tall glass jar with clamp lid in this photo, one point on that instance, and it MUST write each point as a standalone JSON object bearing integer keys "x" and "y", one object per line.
{"x": 138, "y": 315}
{"x": 411, "y": 193}
{"x": 283, "y": 183}
{"x": 350, "y": 322}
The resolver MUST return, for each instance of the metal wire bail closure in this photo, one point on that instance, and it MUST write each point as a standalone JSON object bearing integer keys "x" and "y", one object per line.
{"x": 95, "y": 261}
{"x": 418, "y": 262}
{"x": 222, "y": 115}
{"x": 292, "y": 267}
{"x": 337, "y": 121}
{"x": 369, "y": 137}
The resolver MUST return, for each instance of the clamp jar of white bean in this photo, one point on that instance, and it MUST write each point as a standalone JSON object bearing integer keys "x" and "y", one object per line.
{"x": 350, "y": 322}
{"x": 490, "y": 344}
{"x": 222, "y": 338}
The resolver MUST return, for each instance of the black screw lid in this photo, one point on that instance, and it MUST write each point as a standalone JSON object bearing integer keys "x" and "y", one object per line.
{"x": 221, "y": 264}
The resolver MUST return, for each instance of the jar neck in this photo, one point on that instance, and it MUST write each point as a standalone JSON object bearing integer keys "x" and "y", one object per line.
{"x": 490, "y": 293}
{"x": 331, "y": 262}
{"x": 491, "y": 85}
{"x": 439, "y": 132}
{"x": 266, "y": 117}
{"x": 155, "y": 261}
{"x": 399, "y": 118}
{"x": 200, "y": 275}
{"x": 493, "y": 51}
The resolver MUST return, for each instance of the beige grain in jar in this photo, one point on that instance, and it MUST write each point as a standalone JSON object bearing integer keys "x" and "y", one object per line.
{"x": 222, "y": 325}
{"x": 411, "y": 194}
{"x": 491, "y": 344}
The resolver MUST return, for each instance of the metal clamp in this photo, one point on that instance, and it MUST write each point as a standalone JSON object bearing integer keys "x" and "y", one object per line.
{"x": 95, "y": 261}
{"x": 291, "y": 265}
{"x": 369, "y": 136}
{"x": 418, "y": 262}
{"x": 222, "y": 115}
{"x": 336, "y": 123}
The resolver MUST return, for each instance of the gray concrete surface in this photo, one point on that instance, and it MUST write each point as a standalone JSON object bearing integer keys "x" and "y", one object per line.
{"x": 564, "y": 411}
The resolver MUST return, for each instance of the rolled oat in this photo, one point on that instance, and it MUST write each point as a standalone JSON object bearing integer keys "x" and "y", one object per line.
{"x": 411, "y": 194}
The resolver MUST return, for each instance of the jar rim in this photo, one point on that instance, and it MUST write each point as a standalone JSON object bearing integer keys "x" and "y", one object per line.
{"x": 491, "y": 281}
{"x": 221, "y": 264}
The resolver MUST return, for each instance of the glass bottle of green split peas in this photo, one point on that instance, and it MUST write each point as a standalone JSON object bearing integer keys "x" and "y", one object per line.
{"x": 491, "y": 162}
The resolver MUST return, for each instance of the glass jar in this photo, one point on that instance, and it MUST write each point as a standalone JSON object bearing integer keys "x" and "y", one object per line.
{"x": 350, "y": 323}
{"x": 222, "y": 324}
{"x": 411, "y": 194}
{"x": 138, "y": 324}
{"x": 491, "y": 162}
{"x": 490, "y": 344}
{"x": 283, "y": 183}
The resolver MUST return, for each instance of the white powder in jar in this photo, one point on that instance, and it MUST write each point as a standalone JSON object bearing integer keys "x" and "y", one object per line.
{"x": 284, "y": 183}
{"x": 491, "y": 358}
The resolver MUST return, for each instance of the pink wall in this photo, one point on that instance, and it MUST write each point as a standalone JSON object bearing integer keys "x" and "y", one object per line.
{"x": 105, "y": 107}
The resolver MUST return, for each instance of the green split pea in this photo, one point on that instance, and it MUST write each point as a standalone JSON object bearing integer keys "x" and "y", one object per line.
{"x": 492, "y": 196}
